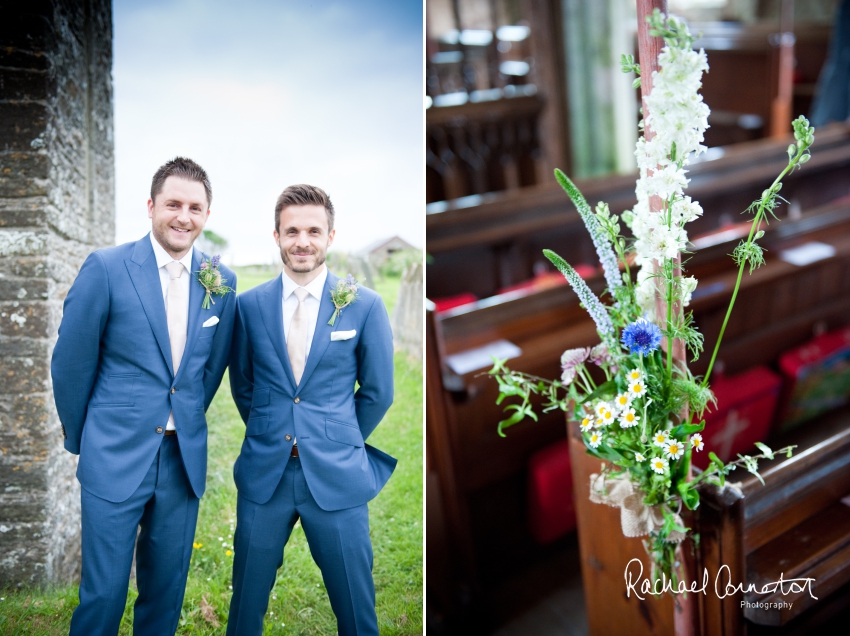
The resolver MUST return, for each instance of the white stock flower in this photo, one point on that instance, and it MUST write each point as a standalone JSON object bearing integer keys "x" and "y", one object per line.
{"x": 660, "y": 242}
{"x": 688, "y": 286}
{"x": 666, "y": 182}
{"x": 678, "y": 117}
{"x": 645, "y": 294}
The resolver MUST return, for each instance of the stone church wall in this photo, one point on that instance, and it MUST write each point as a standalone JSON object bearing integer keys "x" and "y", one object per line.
{"x": 56, "y": 206}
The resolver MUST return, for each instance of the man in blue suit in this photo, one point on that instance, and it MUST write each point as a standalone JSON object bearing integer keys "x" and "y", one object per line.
{"x": 293, "y": 376}
{"x": 135, "y": 367}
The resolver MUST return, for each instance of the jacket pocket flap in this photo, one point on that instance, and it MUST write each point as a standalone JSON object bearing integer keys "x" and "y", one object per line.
{"x": 260, "y": 398}
{"x": 257, "y": 425}
{"x": 343, "y": 433}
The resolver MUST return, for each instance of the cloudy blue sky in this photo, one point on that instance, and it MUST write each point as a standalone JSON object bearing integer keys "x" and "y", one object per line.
{"x": 265, "y": 94}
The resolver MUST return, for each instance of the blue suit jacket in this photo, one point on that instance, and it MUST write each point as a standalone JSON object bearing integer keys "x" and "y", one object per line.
{"x": 327, "y": 416}
{"x": 113, "y": 378}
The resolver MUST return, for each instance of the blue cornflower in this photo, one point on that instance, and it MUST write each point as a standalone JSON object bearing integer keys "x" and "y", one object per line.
{"x": 642, "y": 336}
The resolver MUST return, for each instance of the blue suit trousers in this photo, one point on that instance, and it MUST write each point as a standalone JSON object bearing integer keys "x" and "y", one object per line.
{"x": 166, "y": 509}
{"x": 339, "y": 543}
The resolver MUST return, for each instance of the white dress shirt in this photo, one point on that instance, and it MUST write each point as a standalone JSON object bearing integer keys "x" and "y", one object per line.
{"x": 311, "y": 304}
{"x": 163, "y": 258}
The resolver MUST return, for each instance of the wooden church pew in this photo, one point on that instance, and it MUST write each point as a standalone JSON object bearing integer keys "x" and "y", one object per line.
{"x": 795, "y": 527}
{"x": 484, "y": 243}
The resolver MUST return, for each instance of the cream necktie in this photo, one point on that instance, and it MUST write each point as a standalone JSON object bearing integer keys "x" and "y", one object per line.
{"x": 175, "y": 313}
{"x": 296, "y": 343}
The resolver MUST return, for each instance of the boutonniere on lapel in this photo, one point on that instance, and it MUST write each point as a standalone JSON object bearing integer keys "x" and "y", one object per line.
{"x": 212, "y": 280}
{"x": 343, "y": 294}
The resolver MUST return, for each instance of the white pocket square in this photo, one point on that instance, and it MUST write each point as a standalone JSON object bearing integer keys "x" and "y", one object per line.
{"x": 211, "y": 322}
{"x": 343, "y": 335}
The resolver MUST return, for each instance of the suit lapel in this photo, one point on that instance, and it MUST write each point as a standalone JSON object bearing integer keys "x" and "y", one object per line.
{"x": 145, "y": 277}
{"x": 271, "y": 310}
{"x": 196, "y": 296}
{"x": 322, "y": 335}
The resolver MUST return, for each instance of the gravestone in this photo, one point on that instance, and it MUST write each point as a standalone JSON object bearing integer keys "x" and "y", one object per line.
{"x": 56, "y": 206}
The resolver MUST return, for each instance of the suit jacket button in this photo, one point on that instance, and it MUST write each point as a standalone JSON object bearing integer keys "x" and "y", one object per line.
{"x": 287, "y": 437}
{"x": 173, "y": 390}
{"x": 159, "y": 429}
{"x": 297, "y": 400}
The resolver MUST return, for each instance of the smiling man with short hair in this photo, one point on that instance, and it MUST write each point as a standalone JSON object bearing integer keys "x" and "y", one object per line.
{"x": 136, "y": 365}
{"x": 300, "y": 344}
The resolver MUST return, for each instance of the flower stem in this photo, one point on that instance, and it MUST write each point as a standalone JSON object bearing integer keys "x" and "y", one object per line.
{"x": 669, "y": 322}
{"x": 586, "y": 376}
{"x": 753, "y": 227}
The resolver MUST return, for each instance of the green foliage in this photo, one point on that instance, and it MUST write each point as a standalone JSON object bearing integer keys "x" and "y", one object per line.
{"x": 524, "y": 386}
{"x": 628, "y": 64}
{"x": 670, "y": 28}
{"x": 682, "y": 328}
{"x": 686, "y": 391}
{"x": 214, "y": 239}
{"x": 399, "y": 261}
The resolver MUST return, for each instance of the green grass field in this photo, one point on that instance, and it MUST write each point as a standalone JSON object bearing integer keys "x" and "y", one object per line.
{"x": 299, "y": 604}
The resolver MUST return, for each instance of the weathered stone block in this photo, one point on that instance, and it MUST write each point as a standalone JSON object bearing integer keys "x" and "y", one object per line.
{"x": 23, "y": 289}
{"x": 13, "y": 57}
{"x": 25, "y": 267}
{"x": 23, "y": 506}
{"x": 24, "y": 319}
{"x": 24, "y": 164}
{"x": 27, "y": 27}
{"x": 23, "y": 122}
{"x": 23, "y": 84}
{"x": 24, "y": 374}
{"x": 26, "y": 473}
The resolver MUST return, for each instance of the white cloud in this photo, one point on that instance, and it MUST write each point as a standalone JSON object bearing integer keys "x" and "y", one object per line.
{"x": 267, "y": 96}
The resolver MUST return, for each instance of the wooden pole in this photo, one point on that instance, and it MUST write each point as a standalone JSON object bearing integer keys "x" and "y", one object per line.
{"x": 780, "y": 115}
{"x": 686, "y": 615}
{"x": 648, "y": 51}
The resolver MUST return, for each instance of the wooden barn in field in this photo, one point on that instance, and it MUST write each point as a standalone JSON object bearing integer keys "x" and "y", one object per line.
{"x": 379, "y": 252}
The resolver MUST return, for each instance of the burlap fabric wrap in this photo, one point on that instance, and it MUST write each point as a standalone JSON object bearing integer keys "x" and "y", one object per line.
{"x": 636, "y": 518}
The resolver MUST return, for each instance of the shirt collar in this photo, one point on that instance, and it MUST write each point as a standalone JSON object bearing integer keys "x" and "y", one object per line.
{"x": 314, "y": 287}
{"x": 163, "y": 258}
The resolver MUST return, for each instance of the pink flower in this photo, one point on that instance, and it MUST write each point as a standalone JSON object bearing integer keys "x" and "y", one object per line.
{"x": 570, "y": 359}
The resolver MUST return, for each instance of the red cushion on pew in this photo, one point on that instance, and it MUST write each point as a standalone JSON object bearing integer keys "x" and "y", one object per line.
{"x": 450, "y": 302}
{"x": 745, "y": 406}
{"x": 551, "y": 512}
{"x": 817, "y": 377}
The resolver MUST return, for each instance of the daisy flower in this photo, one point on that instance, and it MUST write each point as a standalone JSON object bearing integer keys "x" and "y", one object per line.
{"x": 639, "y": 457}
{"x": 674, "y": 449}
{"x": 660, "y": 439}
{"x": 659, "y": 464}
{"x": 607, "y": 417}
{"x": 594, "y": 440}
{"x": 586, "y": 424}
{"x": 637, "y": 389}
{"x": 622, "y": 401}
{"x": 601, "y": 407}
{"x": 629, "y": 419}
{"x": 696, "y": 442}
{"x": 635, "y": 375}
